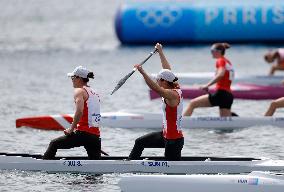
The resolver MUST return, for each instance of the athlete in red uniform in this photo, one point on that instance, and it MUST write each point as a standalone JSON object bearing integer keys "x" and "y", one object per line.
{"x": 84, "y": 130}
{"x": 223, "y": 79}
{"x": 171, "y": 137}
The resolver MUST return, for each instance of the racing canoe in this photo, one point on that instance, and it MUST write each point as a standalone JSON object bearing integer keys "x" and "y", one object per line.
{"x": 205, "y": 77}
{"x": 240, "y": 91}
{"x": 149, "y": 120}
{"x": 253, "y": 182}
{"x": 108, "y": 164}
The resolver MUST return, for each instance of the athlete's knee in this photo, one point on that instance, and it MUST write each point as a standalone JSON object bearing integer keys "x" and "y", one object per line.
{"x": 192, "y": 104}
{"x": 274, "y": 104}
{"x": 53, "y": 143}
{"x": 188, "y": 111}
{"x": 139, "y": 142}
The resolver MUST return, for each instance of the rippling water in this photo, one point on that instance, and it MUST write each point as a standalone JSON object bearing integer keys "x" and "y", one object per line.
{"x": 40, "y": 41}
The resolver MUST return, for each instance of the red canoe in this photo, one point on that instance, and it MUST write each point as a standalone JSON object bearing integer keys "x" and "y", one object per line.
{"x": 240, "y": 91}
{"x": 48, "y": 122}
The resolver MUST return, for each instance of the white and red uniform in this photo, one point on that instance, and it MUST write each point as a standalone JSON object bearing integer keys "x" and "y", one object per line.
{"x": 172, "y": 118}
{"x": 90, "y": 121}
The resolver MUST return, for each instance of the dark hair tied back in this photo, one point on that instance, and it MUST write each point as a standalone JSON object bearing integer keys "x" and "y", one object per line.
{"x": 222, "y": 47}
{"x": 91, "y": 75}
{"x": 175, "y": 79}
{"x": 226, "y": 45}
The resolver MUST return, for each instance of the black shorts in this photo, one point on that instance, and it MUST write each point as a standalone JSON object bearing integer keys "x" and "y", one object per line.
{"x": 221, "y": 98}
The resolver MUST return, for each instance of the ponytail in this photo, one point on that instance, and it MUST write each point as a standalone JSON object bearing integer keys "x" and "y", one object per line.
{"x": 226, "y": 45}
{"x": 91, "y": 75}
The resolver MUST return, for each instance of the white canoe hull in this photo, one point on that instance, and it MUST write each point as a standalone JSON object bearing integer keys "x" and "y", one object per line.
{"x": 151, "y": 120}
{"x": 154, "y": 120}
{"x": 254, "y": 182}
{"x": 205, "y": 77}
{"x": 138, "y": 166}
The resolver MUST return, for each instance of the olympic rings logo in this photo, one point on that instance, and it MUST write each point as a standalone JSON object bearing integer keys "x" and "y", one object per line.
{"x": 159, "y": 16}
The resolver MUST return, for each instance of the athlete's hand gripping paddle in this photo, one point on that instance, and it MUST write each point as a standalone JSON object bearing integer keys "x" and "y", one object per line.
{"x": 123, "y": 80}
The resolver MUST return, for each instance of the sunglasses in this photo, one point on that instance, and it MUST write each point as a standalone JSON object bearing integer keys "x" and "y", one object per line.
{"x": 74, "y": 77}
{"x": 215, "y": 50}
{"x": 159, "y": 79}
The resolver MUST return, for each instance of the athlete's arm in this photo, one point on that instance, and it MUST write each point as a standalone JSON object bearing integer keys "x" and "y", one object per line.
{"x": 167, "y": 94}
{"x": 164, "y": 61}
{"x": 220, "y": 73}
{"x": 79, "y": 107}
{"x": 221, "y": 64}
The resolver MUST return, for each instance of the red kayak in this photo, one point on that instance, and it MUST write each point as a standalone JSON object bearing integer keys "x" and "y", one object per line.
{"x": 240, "y": 91}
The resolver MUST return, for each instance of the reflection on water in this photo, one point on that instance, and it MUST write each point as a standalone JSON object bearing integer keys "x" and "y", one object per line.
{"x": 42, "y": 181}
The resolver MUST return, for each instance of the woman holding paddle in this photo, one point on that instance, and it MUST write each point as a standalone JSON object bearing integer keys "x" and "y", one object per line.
{"x": 171, "y": 137}
{"x": 223, "y": 98}
{"x": 278, "y": 56}
{"x": 84, "y": 130}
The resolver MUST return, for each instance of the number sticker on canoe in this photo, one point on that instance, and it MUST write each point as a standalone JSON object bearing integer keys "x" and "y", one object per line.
{"x": 72, "y": 163}
{"x": 155, "y": 163}
{"x": 213, "y": 119}
{"x": 250, "y": 181}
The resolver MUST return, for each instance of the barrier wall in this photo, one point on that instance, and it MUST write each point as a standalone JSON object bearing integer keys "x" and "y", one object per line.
{"x": 187, "y": 22}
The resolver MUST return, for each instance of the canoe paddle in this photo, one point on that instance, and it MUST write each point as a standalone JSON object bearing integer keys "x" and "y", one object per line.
{"x": 123, "y": 80}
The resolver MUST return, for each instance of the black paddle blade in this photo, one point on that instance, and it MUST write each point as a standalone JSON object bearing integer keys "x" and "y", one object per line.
{"x": 122, "y": 81}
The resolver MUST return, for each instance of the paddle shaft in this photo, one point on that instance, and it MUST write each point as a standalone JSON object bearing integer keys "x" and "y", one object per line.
{"x": 123, "y": 80}
{"x": 143, "y": 62}
{"x": 150, "y": 55}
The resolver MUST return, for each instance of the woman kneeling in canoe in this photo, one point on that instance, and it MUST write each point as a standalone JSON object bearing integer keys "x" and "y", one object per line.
{"x": 84, "y": 130}
{"x": 223, "y": 98}
{"x": 171, "y": 137}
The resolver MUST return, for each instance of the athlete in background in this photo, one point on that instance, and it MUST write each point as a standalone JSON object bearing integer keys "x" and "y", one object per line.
{"x": 223, "y": 97}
